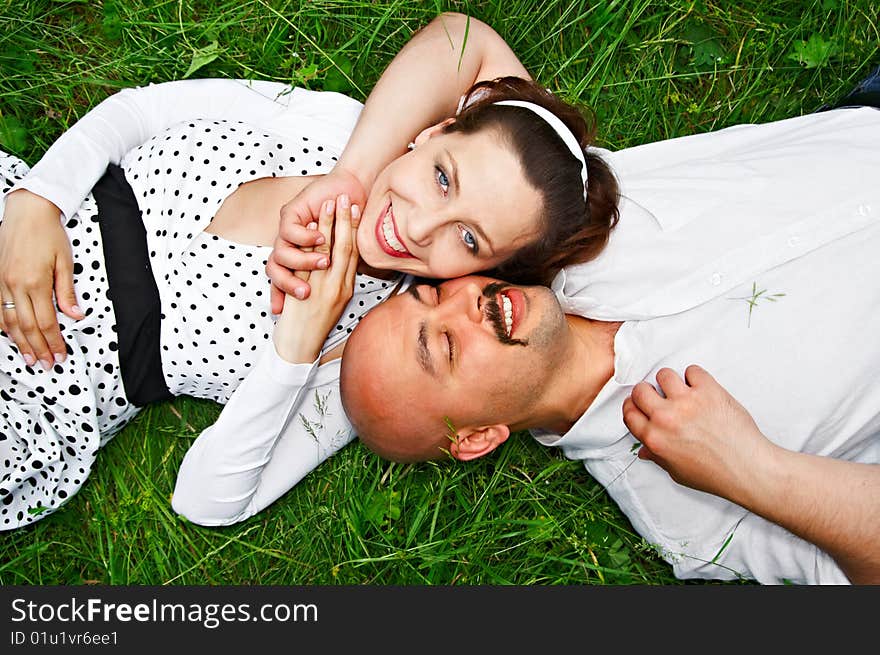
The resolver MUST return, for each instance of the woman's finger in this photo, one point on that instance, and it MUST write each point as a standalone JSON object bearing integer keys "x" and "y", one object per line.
{"x": 285, "y": 282}
{"x": 65, "y": 293}
{"x": 12, "y": 329}
{"x": 354, "y": 258}
{"x": 343, "y": 238}
{"x": 48, "y": 328}
{"x": 325, "y": 226}
{"x": 297, "y": 236}
{"x": 297, "y": 259}
{"x": 30, "y": 329}
{"x": 342, "y": 227}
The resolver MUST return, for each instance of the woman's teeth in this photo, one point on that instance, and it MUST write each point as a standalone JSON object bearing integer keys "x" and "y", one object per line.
{"x": 508, "y": 314}
{"x": 388, "y": 232}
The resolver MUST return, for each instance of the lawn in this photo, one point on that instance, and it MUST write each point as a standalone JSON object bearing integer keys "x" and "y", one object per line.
{"x": 648, "y": 70}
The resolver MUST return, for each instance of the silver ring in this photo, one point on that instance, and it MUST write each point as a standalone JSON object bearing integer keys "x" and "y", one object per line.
{"x": 8, "y": 304}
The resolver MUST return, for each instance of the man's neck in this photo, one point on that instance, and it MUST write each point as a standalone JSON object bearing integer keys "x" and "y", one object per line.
{"x": 587, "y": 369}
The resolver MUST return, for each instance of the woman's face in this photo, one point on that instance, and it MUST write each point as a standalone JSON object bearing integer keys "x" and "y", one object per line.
{"x": 454, "y": 205}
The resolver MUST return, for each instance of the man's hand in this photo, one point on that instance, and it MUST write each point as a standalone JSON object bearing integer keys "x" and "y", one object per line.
{"x": 293, "y": 251}
{"x": 698, "y": 433}
{"x": 35, "y": 258}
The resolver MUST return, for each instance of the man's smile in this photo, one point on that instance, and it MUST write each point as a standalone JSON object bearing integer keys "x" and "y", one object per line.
{"x": 505, "y": 309}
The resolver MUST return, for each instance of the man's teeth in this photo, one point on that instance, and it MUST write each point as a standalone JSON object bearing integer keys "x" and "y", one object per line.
{"x": 388, "y": 232}
{"x": 508, "y": 314}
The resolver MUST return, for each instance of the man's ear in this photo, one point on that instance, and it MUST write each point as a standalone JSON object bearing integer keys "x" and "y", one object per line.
{"x": 428, "y": 132}
{"x": 476, "y": 442}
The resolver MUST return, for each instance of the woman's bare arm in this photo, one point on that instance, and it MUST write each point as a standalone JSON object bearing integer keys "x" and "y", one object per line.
{"x": 421, "y": 86}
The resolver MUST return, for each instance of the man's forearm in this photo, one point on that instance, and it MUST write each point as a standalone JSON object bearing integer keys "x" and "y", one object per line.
{"x": 422, "y": 86}
{"x": 832, "y": 503}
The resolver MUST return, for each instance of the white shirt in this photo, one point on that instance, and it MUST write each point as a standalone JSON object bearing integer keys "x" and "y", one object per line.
{"x": 682, "y": 268}
{"x": 701, "y": 214}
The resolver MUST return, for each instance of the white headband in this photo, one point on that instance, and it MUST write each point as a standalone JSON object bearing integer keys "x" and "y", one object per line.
{"x": 559, "y": 127}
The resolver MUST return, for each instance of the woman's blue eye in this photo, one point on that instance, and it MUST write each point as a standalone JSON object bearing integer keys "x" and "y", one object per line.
{"x": 442, "y": 180}
{"x": 468, "y": 238}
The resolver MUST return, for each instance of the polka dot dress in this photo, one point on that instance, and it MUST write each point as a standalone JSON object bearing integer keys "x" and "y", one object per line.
{"x": 215, "y": 307}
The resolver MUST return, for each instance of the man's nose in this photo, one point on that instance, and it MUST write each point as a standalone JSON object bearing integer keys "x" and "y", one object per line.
{"x": 466, "y": 303}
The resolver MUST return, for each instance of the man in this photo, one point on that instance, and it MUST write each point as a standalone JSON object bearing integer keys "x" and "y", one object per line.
{"x": 751, "y": 251}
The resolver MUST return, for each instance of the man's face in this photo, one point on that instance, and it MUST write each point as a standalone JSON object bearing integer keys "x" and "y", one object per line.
{"x": 470, "y": 351}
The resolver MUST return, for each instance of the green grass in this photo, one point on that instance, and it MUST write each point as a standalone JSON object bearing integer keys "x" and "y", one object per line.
{"x": 649, "y": 70}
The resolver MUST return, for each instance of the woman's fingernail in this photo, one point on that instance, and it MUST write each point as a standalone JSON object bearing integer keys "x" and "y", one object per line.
{"x": 300, "y": 293}
{"x": 46, "y": 364}
{"x": 323, "y": 263}
{"x": 312, "y": 226}
{"x": 328, "y": 207}
{"x": 319, "y": 240}
{"x": 29, "y": 359}
{"x": 343, "y": 201}
{"x": 77, "y": 310}
{"x": 59, "y": 358}
{"x": 355, "y": 211}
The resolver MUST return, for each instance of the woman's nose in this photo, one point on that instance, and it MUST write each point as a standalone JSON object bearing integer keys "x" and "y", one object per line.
{"x": 421, "y": 225}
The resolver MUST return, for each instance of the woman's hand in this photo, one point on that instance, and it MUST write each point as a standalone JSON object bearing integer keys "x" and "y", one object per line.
{"x": 35, "y": 258}
{"x": 303, "y": 326}
{"x": 294, "y": 244}
{"x": 698, "y": 433}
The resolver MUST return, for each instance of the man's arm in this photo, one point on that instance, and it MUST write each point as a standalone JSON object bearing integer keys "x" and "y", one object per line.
{"x": 706, "y": 440}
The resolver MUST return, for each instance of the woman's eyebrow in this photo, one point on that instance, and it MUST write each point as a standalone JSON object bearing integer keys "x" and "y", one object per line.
{"x": 453, "y": 166}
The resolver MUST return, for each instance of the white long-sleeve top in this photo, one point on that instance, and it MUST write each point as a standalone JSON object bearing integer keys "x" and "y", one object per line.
{"x": 281, "y": 419}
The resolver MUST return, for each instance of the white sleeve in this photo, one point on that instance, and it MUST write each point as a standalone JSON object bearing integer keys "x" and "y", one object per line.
{"x": 70, "y": 167}
{"x": 280, "y": 423}
{"x": 772, "y": 555}
{"x": 705, "y": 536}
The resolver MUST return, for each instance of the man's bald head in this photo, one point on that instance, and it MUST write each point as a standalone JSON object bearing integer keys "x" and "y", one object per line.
{"x": 445, "y": 370}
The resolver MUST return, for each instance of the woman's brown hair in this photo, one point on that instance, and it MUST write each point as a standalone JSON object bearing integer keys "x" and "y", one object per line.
{"x": 574, "y": 231}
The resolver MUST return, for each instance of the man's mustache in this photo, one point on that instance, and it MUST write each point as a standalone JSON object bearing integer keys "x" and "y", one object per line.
{"x": 493, "y": 313}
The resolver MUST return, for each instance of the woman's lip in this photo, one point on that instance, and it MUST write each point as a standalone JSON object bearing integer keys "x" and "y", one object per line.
{"x": 517, "y": 307}
{"x": 380, "y": 235}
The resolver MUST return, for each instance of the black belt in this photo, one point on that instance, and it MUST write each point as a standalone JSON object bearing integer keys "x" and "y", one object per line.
{"x": 132, "y": 289}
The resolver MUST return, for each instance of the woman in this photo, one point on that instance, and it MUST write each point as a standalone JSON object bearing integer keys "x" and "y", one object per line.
{"x": 208, "y": 192}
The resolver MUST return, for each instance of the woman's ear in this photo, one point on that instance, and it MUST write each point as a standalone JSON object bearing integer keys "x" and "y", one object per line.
{"x": 428, "y": 132}
{"x": 476, "y": 442}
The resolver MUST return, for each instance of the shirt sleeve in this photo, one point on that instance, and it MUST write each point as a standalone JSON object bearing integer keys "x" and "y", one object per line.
{"x": 705, "y": 536}
{"x": 280, "y": 423}
{"x": 70, "y": 167}
{"x": 770, "y": 554}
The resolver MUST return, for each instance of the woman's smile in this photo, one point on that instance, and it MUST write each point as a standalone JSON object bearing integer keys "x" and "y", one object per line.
{"x": 428, "y": 223}
{"x": 388, "y": 236}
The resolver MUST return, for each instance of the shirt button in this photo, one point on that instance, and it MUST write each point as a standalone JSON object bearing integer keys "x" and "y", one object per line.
{"x": 864, "y": 210}
{"x": 793, "y": 241}
{"x": 715, "y": 279}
